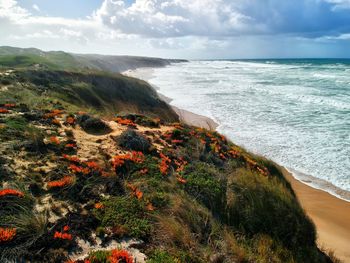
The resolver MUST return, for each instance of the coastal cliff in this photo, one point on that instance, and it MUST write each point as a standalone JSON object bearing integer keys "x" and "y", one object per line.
{"x": 19, "y": 57}
{"x": 96, "y": 168}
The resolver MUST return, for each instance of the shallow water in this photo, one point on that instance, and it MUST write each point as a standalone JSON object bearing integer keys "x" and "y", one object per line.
{"x": 296, "y": 112}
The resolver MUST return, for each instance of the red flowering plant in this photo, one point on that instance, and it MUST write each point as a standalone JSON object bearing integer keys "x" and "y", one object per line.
{"x": 4, "y": 111}
{"x": 63, "y": 234}
{"x": 120, "y": 256}
{"x": 89, "y": 168}
{"x": 54, "y": 140}
{"x": 62, "y": 183}
{"x": 70, "y": 146}
{"x": 135, "y": 191}
{"x": 9, "y": 105}
{"x": 99, "y": 205}
{"x": 164, "y": 165}
{"x": 125, "y": 122}
{"x": 10, "y": 192}
{"x": 252, "y": 164}
{"x": 177, "y": 136}
{"x": 53, "y": 113}
{"x": 121, "y": 163}
{"x": 70, "y": 158}
{"x": 112, "y": 256}
{"x": 70, "y": 120}
{"x": 7, "y": 234}
{"x": 86, "y": 168}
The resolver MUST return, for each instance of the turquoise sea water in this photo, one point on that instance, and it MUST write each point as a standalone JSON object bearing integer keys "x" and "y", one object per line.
{"x": 296, "y": 112}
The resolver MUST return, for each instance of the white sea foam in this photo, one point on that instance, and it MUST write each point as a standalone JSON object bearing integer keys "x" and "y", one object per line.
{"x": 296, "y": 113}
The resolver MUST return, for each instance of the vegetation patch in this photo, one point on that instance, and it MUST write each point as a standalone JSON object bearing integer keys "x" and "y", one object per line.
{"x": 93, "y": 125}
{"x": 125, "y": 216}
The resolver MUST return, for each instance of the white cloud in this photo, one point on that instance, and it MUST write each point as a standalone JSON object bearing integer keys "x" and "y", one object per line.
{"x": 339, "y": 4}
{"x": 9, "y": 9}
{"x": 190, "y": 27}
{"x": 36, "y": 7}
{"x": 343, "y": 37}
{"x": 163, "y": 18}
{"x": 17, "y": 23}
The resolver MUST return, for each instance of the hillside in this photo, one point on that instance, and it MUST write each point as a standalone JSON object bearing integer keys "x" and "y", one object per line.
{"x": 58, "y": 60}
{"x": 95, "y": 168}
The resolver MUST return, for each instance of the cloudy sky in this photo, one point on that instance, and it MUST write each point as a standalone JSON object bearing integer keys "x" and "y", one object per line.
{"x": 181, "y": 28}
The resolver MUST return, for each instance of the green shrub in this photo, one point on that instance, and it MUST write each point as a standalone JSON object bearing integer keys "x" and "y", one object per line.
{"x": 206, "y": 184}
{"x": 19, "y": 213}
{"x": 263, "y": 205}
{"x": 93, "y": 125}
{"x": 160, "y": 256}
{"x": 132, "y": 140}
{"x": 142, "y": 120}
{"x": 125, "y": 212}
{"x": 159, "y": 199}
{"x": 100, "y": 256}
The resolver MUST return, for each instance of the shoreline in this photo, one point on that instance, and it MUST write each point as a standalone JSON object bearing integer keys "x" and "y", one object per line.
{"x": 330, "y": 214}
{"x": 184, "y": 115}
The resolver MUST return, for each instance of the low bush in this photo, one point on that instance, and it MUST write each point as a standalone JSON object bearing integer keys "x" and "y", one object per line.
{"x": 127, "y": 213}
{"x": 93, "y": 125}
{"x": 263, "y": 205}
{"x": 161, "y": 256}
{"x": 133, "y": 140}
{"x": 206, "y": 184}
{"x": 17, "y": 212}
{"x": 143, "y": 120}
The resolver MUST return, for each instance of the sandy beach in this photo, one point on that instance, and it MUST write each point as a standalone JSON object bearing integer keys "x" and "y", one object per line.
{"x": 331, "y": 215}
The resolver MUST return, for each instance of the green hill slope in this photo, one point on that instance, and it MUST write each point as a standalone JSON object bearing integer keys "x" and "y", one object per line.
{"x": 25, "y": 57}
{"x": 100, "y": 93}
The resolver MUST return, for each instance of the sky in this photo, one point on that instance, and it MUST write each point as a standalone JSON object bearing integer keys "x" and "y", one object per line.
{"x": 191, "y": 29}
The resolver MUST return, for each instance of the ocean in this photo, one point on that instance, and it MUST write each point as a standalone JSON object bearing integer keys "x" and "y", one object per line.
{"x": 295, "y": 112}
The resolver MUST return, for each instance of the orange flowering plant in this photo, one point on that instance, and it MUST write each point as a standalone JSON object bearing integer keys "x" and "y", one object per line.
{"x": 63, "y": 235}
{"x": 9, "y": 105}
{"x": 65, "y": 181}
{"x": 119, "y": 256}
{"x": 10, "y": 192}
{"x": 125, "y": 122}
{"x": 70, "y": 120}
{"x": 73, "y": 159}
{"x": 99, "y": 205}
{"x": 7, "y": 234}
{"x": 2, "y": 110}
{"x": 53, "y": 114}
{"x": 164, "y": 164}
{"x": 54, "y": 140}
{"x": 135, "y": 191}
{"x": 119, "y": 161}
